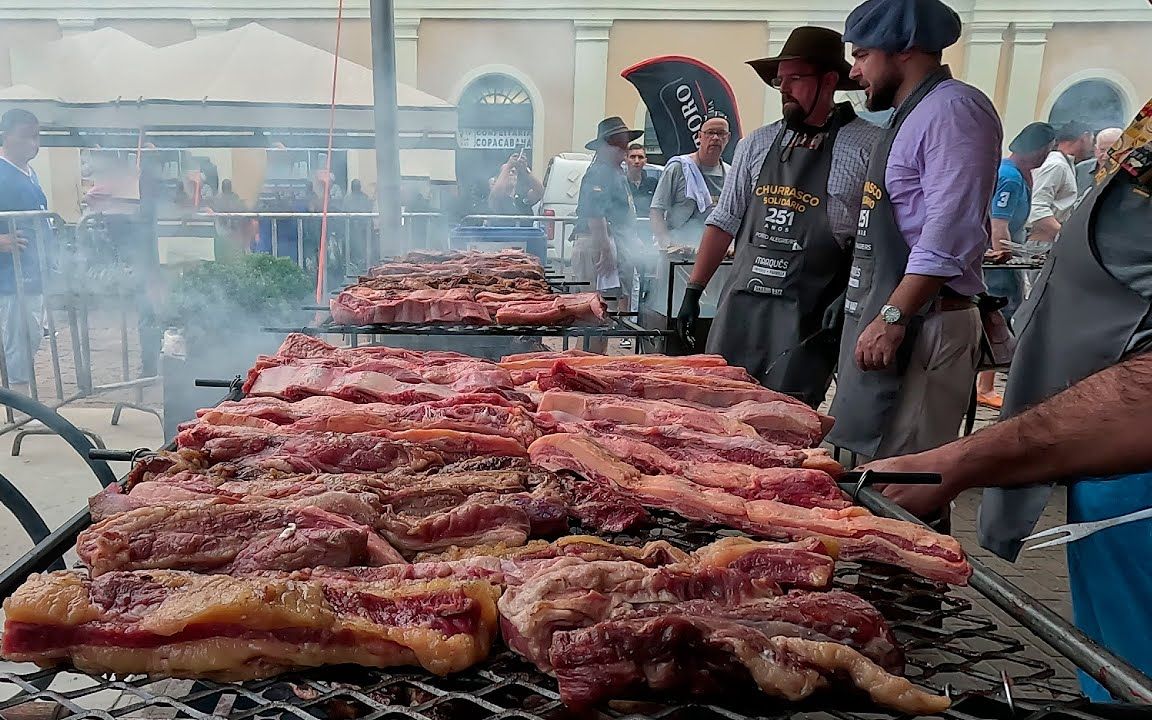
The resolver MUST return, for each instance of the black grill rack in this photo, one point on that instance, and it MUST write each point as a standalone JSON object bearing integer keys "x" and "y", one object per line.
{"x": 620, "y": 327}
{"x": 951, "y": 646}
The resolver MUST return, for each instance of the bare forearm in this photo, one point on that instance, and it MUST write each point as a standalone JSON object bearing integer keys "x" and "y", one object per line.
{"x": 1000, "y": 234}
{"x": 713, "y": 247}
{"x": 1096, "y": 427}
{"x": 659, "y": 225}
{"x": 598, "y": 229}
{"x": 1044, "y": 230}
{"x": 914, "y": 292}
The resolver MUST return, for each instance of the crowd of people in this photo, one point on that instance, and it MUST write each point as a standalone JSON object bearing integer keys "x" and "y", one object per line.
{"x": 881, "y": 258}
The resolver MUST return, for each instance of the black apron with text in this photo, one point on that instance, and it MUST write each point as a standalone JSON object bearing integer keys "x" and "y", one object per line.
{"x": 787, "y": 271}
{"x": 1078, "y": 320}
{"x": 864, "y": 400}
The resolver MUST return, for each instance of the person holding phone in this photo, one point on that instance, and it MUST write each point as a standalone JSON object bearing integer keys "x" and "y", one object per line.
{"x": 515, "y": 191}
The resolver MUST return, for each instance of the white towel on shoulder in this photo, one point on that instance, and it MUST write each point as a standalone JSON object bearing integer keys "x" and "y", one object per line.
{"x": 694, "y": 184}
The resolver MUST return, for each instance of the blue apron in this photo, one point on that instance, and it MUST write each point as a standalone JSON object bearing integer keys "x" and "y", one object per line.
{"x": 1109, "y": 571}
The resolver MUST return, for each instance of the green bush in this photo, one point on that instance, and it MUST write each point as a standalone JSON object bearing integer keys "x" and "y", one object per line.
{"x": 249, "y": 289}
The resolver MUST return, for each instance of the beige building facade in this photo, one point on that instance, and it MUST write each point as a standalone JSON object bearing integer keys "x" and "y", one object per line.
{"x": 542, "y": 73}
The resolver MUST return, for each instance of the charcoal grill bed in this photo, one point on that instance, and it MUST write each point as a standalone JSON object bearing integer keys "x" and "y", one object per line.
{"x": 952, "y": 644}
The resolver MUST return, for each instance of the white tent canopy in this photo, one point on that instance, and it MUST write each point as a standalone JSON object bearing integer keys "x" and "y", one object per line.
{"x": 248, "y": 78}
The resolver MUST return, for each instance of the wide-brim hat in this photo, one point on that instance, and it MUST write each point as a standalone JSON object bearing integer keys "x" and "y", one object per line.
{"x": 609, "y": 127}
{"x": 820, "y": 46}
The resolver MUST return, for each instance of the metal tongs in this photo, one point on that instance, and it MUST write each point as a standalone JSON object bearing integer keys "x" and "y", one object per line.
{"x": 862, "y": 478}
{"x": 1078, "y": 531}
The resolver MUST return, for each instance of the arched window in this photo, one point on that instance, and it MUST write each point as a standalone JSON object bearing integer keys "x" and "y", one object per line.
{"x": 1097, "y": 102}
{"x": 495, "y": 120}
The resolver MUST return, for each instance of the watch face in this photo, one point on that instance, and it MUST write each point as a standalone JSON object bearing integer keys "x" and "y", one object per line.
{"x": 890, "y": 313}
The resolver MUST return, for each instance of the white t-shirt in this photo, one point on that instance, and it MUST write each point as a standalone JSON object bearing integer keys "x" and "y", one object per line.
{"x": 1053, "y": 188}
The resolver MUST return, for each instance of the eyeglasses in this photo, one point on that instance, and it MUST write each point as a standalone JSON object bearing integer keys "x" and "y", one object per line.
{"x": 716, "y": 133}
{"x": 781, "y": 80}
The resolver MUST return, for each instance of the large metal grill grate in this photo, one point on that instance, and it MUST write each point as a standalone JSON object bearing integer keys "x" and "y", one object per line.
{"x": 950, "y": 644}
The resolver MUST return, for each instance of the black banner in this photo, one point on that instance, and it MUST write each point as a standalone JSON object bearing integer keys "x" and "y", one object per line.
{"x": 679, "y": 91}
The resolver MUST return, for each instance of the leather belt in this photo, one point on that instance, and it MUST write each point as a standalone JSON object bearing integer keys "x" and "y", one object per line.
{"x": 953, "y": 303}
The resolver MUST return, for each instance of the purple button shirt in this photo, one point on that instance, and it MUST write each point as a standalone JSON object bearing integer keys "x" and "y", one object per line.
{"x": 940, "y": 177}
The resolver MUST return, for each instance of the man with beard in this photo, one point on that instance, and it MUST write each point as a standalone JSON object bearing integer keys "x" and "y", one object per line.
{"x": 790, "y": 201}
{"x": 1054, "y": 190}
{"x": 912, "y": 330}
{"x": 690, "y": 186}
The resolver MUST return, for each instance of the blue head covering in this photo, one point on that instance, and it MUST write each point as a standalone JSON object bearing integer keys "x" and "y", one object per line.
{"x": 899, "y": 25}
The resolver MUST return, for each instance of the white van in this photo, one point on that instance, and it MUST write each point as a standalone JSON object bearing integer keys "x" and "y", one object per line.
{"x": 561, "y": 193}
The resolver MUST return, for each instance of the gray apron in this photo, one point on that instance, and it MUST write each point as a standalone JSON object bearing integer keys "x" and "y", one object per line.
{"x": 1078, "y": 321}
{"x": 787, "y": 271}
{"x": 864, "y": 401}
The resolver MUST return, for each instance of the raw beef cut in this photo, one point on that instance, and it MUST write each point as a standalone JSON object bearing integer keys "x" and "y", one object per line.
{"x": 652, "y": 413}
{"x": 779, "y": 417}
{"x": 178, "y": 624}
{"x": 554, "y": 310}
{"x": 358, "y": 305}
{"x": 303, "y": 452}
{"x": 229, "y": 538}
{"x": 854, "y": 532}
{"x": 362, "y": 384}
{"x": 693, "y": 650}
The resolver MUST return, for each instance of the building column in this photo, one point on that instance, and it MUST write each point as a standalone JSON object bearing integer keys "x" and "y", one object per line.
{"x": 1028, "y": 42}
{"x": 778, "y": 33}
{"x": 982, "y": 57}
{"x": 407, "y": 37}
{"x": 209, "y": 26}
{"x": 75, "y": 26}
{"x": 590, "y": 79}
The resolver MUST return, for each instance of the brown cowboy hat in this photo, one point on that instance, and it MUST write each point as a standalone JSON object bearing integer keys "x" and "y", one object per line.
{"x": 822, "y": 46}
{"x": 609, "y": 127}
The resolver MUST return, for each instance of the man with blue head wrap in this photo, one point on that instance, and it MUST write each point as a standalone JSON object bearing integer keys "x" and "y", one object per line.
{"x": 912, "y": 330}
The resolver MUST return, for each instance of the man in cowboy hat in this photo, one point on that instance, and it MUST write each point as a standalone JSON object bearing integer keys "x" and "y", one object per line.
{"x": 791, "y": 202}
{"x": 603, "y": 252}
{"x": 912, "y": 330}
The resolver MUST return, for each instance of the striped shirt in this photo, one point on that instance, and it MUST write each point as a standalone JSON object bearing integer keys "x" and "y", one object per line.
{"x": 850, "y": 155}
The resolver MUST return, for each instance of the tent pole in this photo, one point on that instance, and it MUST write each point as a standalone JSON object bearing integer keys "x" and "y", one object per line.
{"x": 383, "y": 22}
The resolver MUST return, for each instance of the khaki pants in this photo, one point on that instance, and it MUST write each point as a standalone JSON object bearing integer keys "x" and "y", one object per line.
{"x": 938, "y": 385}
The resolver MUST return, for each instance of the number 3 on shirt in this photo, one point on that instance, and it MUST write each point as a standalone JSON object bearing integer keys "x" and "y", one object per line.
{"x": 1003, "y": 198}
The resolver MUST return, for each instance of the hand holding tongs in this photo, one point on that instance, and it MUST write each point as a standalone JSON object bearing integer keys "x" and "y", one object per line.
{"x": 1077, "y": 531}
{"x": 861, "y": 478}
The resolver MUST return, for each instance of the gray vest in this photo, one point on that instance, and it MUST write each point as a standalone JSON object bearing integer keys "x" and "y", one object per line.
{"x": 1079, "y": 320}
{"x": 788, "y": 270}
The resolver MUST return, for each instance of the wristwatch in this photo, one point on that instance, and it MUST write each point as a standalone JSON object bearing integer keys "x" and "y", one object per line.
{"x": 891, "y": 315}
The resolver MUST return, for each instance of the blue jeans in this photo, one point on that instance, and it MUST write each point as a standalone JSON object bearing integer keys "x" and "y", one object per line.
{"x": 22, "y": 331}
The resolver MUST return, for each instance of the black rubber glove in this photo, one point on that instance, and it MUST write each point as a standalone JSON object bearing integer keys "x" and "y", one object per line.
{"x": 833, "y": 322}
{"x": 689, "y": 314}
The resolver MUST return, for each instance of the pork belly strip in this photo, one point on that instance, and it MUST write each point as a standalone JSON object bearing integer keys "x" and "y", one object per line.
{"x": 230, "y": 538}
{"x": 855, "y": 533}
{"x": 180, "y": 624}
{"x": 693, "y": 651}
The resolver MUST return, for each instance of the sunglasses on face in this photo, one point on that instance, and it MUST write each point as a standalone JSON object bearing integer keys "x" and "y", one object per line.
{"x": 716, "y": 133}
